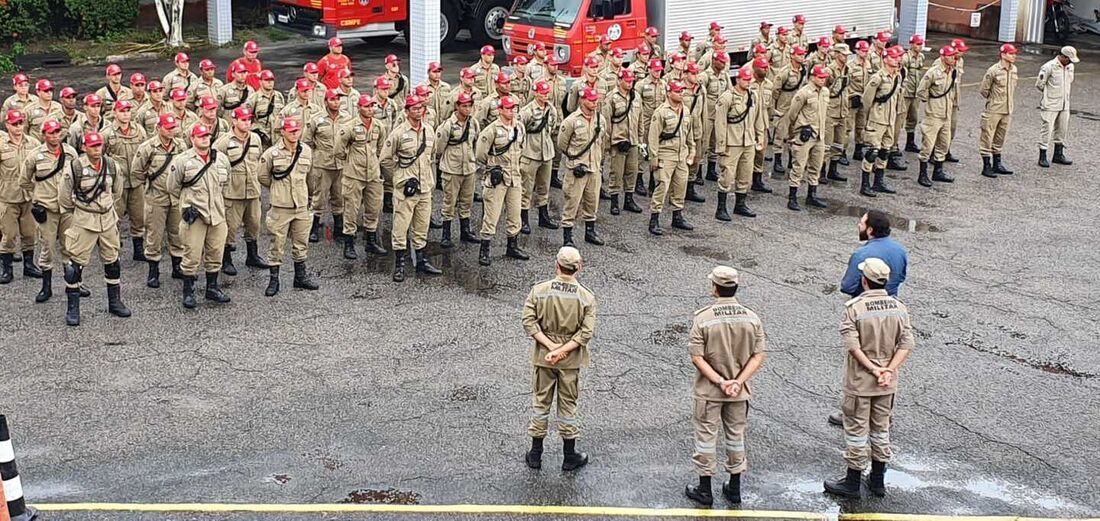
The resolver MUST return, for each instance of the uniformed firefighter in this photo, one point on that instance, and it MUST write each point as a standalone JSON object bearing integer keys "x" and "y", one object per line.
{"x": 878, "y": 52}
{"x": 113, "y": 91}
{"x": 441, "y": 91}
{"x": 284, "y": 169}
{"x": 764, "y": 37}
{"x": 162, "y": 212}
{"x": 609, "y": 76}
{"x": 312, "y": 85}
{"x": 181, "y": 76}
{"x": 727, "y": 348}
{"x": 138, "y": 94}
{"x": 717, "y": 47}
{"x": 650, "y": 38}
{"x": 321, "y": 133}
{"x": 877, "y": 335}
{"x": 779, "y": 54}
{"x": 521, "y": 80}
{"x": 90, "y": 121}
{"x": 539, "y": 57}
{"x": 652, "y": 90}
{"x": 623, "y": 112}
{"x": 999, "y": 90}
{"x": 880, "y": 96}
{"x": 764, "y": 89}
{"x": 266, "y": 105}
{"x": 716, "y": 81}
{"x": 41, "y": 178}
{"x": 16, "y": 219}
{"x": 148, "y": 114}
{"x": 675, "y": 67}
{"x": 21, "y": 84}
{"x": 860, "y": 71}
{"x": 912, "y": 70}
{"x": 302, "y": 107}
{"x": 121, "y": 140}
{"x": 386, "y": 113}
{"x": 840, "y": 34}
{"x": 454, "y": 151}
{"x": 184, "y": 117}
{"x": 41, "y": 108}
{"x": 487, "y": 108}
{"x": 208, "y": 115}
{"x": 498, "y": 150}
{"x": 821, "y": 55}
{"x": 250, "y": 54}
{"x": 465, "y": 86}
{"x": 809, "y": 117}
{"x": 1054, "y": 82}
{"x": 242, "y": 147}
{"x": 936, "y": 91}
{"x": 798, "y": 32}
{"x": 671, "y": 144}
{"x": 89, "y": 187}
{"x": 541, "y": 119}
{"x": 408, "y": 151}
{"x": 560, "y": 315}
{"x": 69, "y": 113}
{"x": 206, "y": 86}
{"x": 961, "y": 49}
{"x": 640, "y": 65}
{"x": 590, "y": 78}
{"x": 714, "y": 30}
{"x": 401, "y": 85}
{"x": 196, "y": 179}
{"x": 740, "y": 132}
{"x": 686, "y": 48}
{"x": 786, "y": 83}
{"x": 485, "y": 70}
{"x": 235, "y": 94}
{"x": 583, "y": 137}
{"x": 836, "y": 123}
{"x": 360, "y": 142}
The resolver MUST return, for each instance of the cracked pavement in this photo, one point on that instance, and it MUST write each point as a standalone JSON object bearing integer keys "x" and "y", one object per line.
{"x": 423, "y": 387}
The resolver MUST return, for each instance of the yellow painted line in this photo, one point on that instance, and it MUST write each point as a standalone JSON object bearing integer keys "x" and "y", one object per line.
{"x": 530, "y": 510}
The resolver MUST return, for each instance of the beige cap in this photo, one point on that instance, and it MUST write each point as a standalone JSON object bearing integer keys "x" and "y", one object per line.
{"x": 841, "y": 48}
{"x": 569, "y": 258}
{"x": 1070, "y": 52}
{"x": 724, "y": 276}
{"x": 875, "y": 270}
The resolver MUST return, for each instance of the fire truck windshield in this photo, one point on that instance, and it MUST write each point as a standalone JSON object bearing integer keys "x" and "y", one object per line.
{"x": 546, "y": 13}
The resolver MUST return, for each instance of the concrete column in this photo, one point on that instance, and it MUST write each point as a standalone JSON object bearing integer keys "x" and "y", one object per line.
{"x": 1010, "y": 10}
{"x": 219, "y": 21}
{"x": 912, "y": 19}
{"x": 423, "y": 38}
{"x": 1029, "y": 21}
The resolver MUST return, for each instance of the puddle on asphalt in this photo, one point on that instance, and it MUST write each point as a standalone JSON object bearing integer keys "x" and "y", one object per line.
{"x": 390, "y": 496}
{"x": 898, "y": 222}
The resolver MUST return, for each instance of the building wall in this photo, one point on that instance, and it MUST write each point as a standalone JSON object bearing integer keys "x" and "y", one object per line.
{"x": 956, "y": 21}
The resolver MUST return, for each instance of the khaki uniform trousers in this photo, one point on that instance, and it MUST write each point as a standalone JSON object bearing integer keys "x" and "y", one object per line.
{"x": 583, "y": 194}
{"x": 282, "y": 222}
{"x": 908, "y": 114}
{"x": 867, "y": 419}
{"x": 202, "y": 243}
{"x": 536, "y": 181}
{"x": 325, "y": 183}
{"x": 1053, "y": 127}
{"x": 707, "y": 417}
{"x": 458, "y": 192}
{"x": 410, "y": 213}
{"x": 16, "y": 221}
{"x": 671, "y": 180}
{"x": 159, "y": 220}
{"x": 361, "y": 194}
{"x": 758, "y": 161}
{"x": 857, "y": 119}
{"x": 780, "y": 136}
{"x": 133, "y": 204}
{"x": 994, "y": 129}
{"x": 548, "y": 382}
{"x": 240, "y": 212}
{"x": 81, "y": 242}
{"x": 51, "y": 234}
{"x": 624, "y": 171}
{"x": 736, "y": 171}
{"x": 878, "y": 139}
{"x": 935, "y": 139}
{"x": 496, "y": 199}
{"x": 836, "y": 137}
{"x": 806, "y": 161}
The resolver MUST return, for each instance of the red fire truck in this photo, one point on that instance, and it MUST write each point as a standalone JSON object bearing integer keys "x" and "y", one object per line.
{"x": 572, "y": 28}
{"x": 384, "y": 19}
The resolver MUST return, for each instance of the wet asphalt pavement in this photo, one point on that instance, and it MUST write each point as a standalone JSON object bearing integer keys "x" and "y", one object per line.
{"x": 423, "y": 387}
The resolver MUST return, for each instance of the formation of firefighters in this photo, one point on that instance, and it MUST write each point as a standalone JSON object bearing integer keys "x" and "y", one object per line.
{"x": 184, "y": 159}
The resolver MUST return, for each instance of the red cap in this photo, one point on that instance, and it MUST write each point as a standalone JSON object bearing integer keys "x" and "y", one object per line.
{"x": 92, "y": 100}
{"x": 722, "y": 57}
{"x": 540, "y": 46}
{"x": 344, "y": 73}
{"x": 781, "y": 30}
{"x": 761, "y": 63}
{"x": 435, "y": 67}
{"x": 895, "y": 52}
{"x": 959, "y": 45}
{"x": 15, "y": 117}
{"x": 310, "y": 68}
{"x": 50, "y": 126}
{"x": 488, "y": 50}
{"x": 242, "y": 113}
{"x": 744, "y": 73}
{"x": 799, "y": 19}
{"x": 686, "y": 37}
{"x": 675, "y": 86}
{"x": 625, "y": 75}
{"x": 92, "y": 139}
{"x": 553, "y": 60}
{"x": 168, "y": 121}
{"x": 508, "y": 102}
{"x": 422, "y": 90}
{"x": 237, "y": 67}
{"x": 113, "y": 69}
{"x": 715, "y": 27}
{"x": 178, "y": 94}
{"x": 591, "y": 61}
{"x": 503, "y": 78}
{"x": 467, "y": 73}
{"x": 840, "y": 29}
{"x": 765, "y": 25}
{"x": 656, "y": 65}
{"x": 676, "y": 57}
{"x": 332, "y": 94}
{"x": 862, "y": 45}
{"x": 366, "y": 101}
{"x": 948, "y": 51}
{"x": 303, "y": 85}
{"x": 465, "y": 98}
{"x": 251, "y": 46}
{"x": 720, "y": 40}
{"x": 820, "y": 71}
{"x": 200, "y": 130}
{"x": 392, "y": 58}
{"x": 590, "y": 94}
{"x": 519, "y": 60}
{"x": 542, "y": 87}
{"x": 43, "y": 85}
{"x": 643, "y": 49}
{"x": 137, "y": 78}
{"x": 605, "y": 40}
{"x": 68, "y": 92}
{"x": 760, "y": 49}
{"x": 122, "y": 105}
{"x": 799, "y": 50}
{"x": 207, "y": 102}
{"x": 267, "y": 75}
{"x": 693, "y": 68}
{"x": 617, "y": 52}
{"x": 824, "y": 43}
{"x": 291, "y": 125}
{"x": 916, "y": 39}
{"x": 412, "y": 101}
{"x": 335, "y": 42}
{"x": 206, "y": 65}
{"x": 382, "y": 83}
{"x": 882, "y": 36}
{"x": 1008, "y": 48}
{"x": 652, "y": 31}
{"x": 182, "y": 57}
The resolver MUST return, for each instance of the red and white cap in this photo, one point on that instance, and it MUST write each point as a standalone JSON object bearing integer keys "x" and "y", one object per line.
{"x": 488, "y": 50}
{"x": 652, "y": 31}
{"x": 123, "y": 105}
{"x": 332, "y": 94}
{"x": 182, "y": 57}
{"x": 643, "y": 49}
{"x": 92, "y": 139}
{"x": 627, "y": 75}
{"x": 605, "y": 40}
{"x": 1008, "y": 48}
{"x": 676, "y": 57}
{"x": 553, "y": 61}
{"x": 693, "y": 68}
{"x": 959, "y": 45}
{"x": 168, "y": 121}
{"x": 68, "y": 92}
{"x": 617, "y": 52}
{"x": 382, "y": 83}
{"x": 422, "y": 90}
{"x": 291, "y": 125}
{"x": 686, "y": 37}
{"x": 50, "y": 126}
{"x": 412, "y": 101}
{"x": 508, "y": 102}
{"x": 761, "y": 63}
{"x": 722, "y": 57}
{"x": 765, "y": 25}
{"x": 542, "y": 87}
{"x": 303, "y": 85}
{"x": 540, "y": 46}
{"x": 392, "y": 58}
{"x": 43, "y": 85}
{"x": 519, "y": 59}
{"x": 15, "y": 117}
{"x": 251, "y": 46}
{"x": 200, "y": 130}
{"x": 820, "y": 71}
{"x": 178, "y": 94}
{"x": 590, "y": 94}
{"x": 335, "y": 42}
{"x": 19, "y": 79}
{"x": 863, "y": 46}
{"x": 916, "y": 39}
{"x": 242, "y": 113}
{"x": 760, "y": 49}
{"x": 676, "y": 86}
{"x": 782, "y": 30}
{"x": 267, "y": 75}
{"x": 92, "y": 100}
{"x": 882, "y": 36}
{"x": 137, "y": 78}
{"x": 207, "y": 102}
{"x": 895, "y": 52}
{"x": 503, "y": 78}
{"x": 467, "y": 73}
{"x": 744, "y": 73}
{"x": 435, "y": 67}
{"x": 237, "y": 67}
{"x": 715, "y": 26}
{"x": 798, "y": 19}
{"x": 591, "y": 62}
{"x": 840, "y": 29}
{"x": 344, "y": 73}
{"x": 656, "y": 65}
{"x": 114, "y": 69}
{"x": 207, "y": 65}
{"x": 365, "y": 100}
{"x": 948, "y": 51}
{"x": 824, "y": 43}
{"x": 465, "y": 98}
{"x": 310, "y": 68}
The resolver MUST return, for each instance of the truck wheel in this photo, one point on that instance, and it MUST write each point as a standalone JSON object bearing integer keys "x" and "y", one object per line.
{"x": 449, "y": 25}
{"x": 488, "y": 22}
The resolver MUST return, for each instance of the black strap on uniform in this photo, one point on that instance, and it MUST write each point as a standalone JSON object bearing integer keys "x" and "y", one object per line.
{"x": 88, "y": 196}
{"x": 888, "y": 95}
{"x": 56, "y": 168}
{"x": 463, "y": 138}
{"x": 494, "y": 151}
{"x": 592, "y": 141}
{"x": 270, "y": 108}
{"x": 163, "y": 167}
{"x": 400, "y": 86}
{"x": 665, "y": 136}
{"x": 188, "y": 183}
{"x": 240, "y": 99}
{"x": 265, "y": 140}
{"x": 950, "y": 87}
{"x": 542, "y": 124}
{"x": 801, "y": 79}
{"x": 618, "y": 118}
{"x": 405, "y": 162}
{"x": 741, "y": 117}
{"x": 279, "y": 175}
{"x": 234, "y": 162}
{"x": 843, "y": 86}
{"x": 112, "y": 96}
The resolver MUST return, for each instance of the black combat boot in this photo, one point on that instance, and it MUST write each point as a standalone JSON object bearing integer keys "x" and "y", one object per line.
{"x": 721, "y": 213}
{"x": 895, "y": 161}
{"x": 387, "y": 202}
{"x": 865, "y": 185}
{"x": 923, "y": 178}
{"x": 701, "y": 493}
{"x": 373, "y": 246}
{"x": 567, "y": 236}
{"x": 692, "y": 196}
{"x": 679, "y": 222}
{"x": 514, "y": 251}
{"x": 464, "y": 230}
{"x": 483, "y": 255}
{"x": 758, "y": 183}
{"x": 525, "y": 221}
{"x": 315, "y": 229}
{"x": 812, "y": 200}
{"x": 848, "y": 486}
{"x": 792, "y": 199}
{"x": 732, "y": 489}
{"x": 545, "y": 221}
{"x": 998, "y": 167}
{"x": 712, "y": 171}
{"x": 655, "y": 224}
{"x": 301, "y": 277}
{"x": 834, "y": 174}
{"x": 777, "y": 166}
{"x": 446, "y": 242}
{"x": 740, "y": 207}
{"x": 425, "y": 267}
{"x": 629, "y": 204}
{"x": 555, "y": 179}
{"x": 227, "y": 262}
{"x": 349, "y": 248}
{"x": 189, "y": 292}
{"x": 843, "y": 159}
{"x": 572, "y": 459}
{"x": 47, "y": 287}
{"x": 822, "y": 176}
{"x": 253, "y": 260}
{"x": 615, "y": 210}
{"x": 876, "y": 482}
{"x": 590, "y": 235}
{"x": 639, "y": 186}
{"x": 74, "y": 275}
{"x": 1043, "y": 159}
{"x": 950, "y": 158}
{"x": 139, "y": 249}
{"x": 213, "y": 292}
{"x": 987, "y": 167}
{"x": 1058, "y": 159}
{"x": 939, "y": 175}
{"x": 273, "y": 282}
{"x": 5, "y": 268}
{"x": 113, "y": 271}
{"x": 337, "y": 228}
{"x": 603, "y": 194}
{"x": 176, "y": 273}
{"x": 880, "y": 183}
{"x": 153, "y": 280}
{"x": 911, "y": 142}
{"x": 534, "y": 456}
{"x": 434, "y": 223}
{"x": 857, "y": 154}
{"x": 30, "y": 271}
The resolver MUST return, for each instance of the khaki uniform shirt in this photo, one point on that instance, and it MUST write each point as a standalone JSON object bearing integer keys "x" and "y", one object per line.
{"x": 349, "y": 101}
{"x": 935, "y": 90}
{"x": 486, "y": 110}
{"x": 147, "y": 116}
{"x": 320, "y": 134}
{"x": 231, "y": 96}
{"x": 640, "y": 69}
{"x": 809, "y": 109}
{"x": 42, "y": 174}
{"x": 122, "y": 147}
{"x": 429, "y": 117}
{"x": 401, "y": 87}
{"x": 726, "y": 334}
{"x": 90, "y": 195}
{"x": 440, "y": 94}
{"x": 243, "y": 157}
{"x": 563, "y": 311}
{"x": 201, "y": 88}
{"x": 359, "y": 145}
{"x": 737, "y": 124}
{"x": 576, "y": 132}
{"x": 184, "y": 122}
{"x": 860, "y": 73}
{"x": 764, "y": 90}
{"x": 110, "y": 97}
{"x": 885, "y": 87}
{"x": 284, "y": 177}
{"x": 702, "y": 48}
{"x": 787, "y": 82}
{"x": 454, "y": 148}
{"x": 878, "y": 325}
{"x": 174, "y": 80}
{"x": 816, "y": 58}
{"x": 541, "y": 125}
{"x": 839, "y": 84}
{"x": 652, "y": 94}
{"x": 521, "y": 89}
{"x": 303, "y": 113}
{"x": 681, "y": 143}
{"x": 875, "y": 54}
{"x": 80, "y": 127}
{"x": 385, "y": 115}
{"x": 558, "y": 92}
{"x": 779, "y": 57}
{"x": 1054, "y": 82}
{"x": 761, "y": 38}
{"x": 716, "y": 83}
{"x": 798, "y": 38}
{"x": 999, "y": 88}
{"x": 12, "y": 160}
{"x": 35, "y": 115}
{"x": 316, "y": 96}
{"x": 912, "y": 65}
{"x": 267, "y": 112}
{"x": 149, "y": 167}
{"x": 573, "y": 99}
{"x": 204, "y": 193}
{"x": 450, "y": 100}
{"x": 218, "y": 129}
{"x": 497, "y": 145}
{"x": 408, "y": 153}
{"x": 485, "y": 77}
{"x": 13, "y": 102}
{"x": 695, "y": 99}
{"x": 623, "y": 112}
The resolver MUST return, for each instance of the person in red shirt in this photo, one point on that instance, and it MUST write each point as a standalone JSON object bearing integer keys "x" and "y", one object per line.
{"x": 333, "y": 62}
{"x": 251, "y": 64}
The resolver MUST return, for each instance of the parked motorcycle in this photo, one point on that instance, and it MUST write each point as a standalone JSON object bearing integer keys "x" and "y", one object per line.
{"x": 1058, "y": 28}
